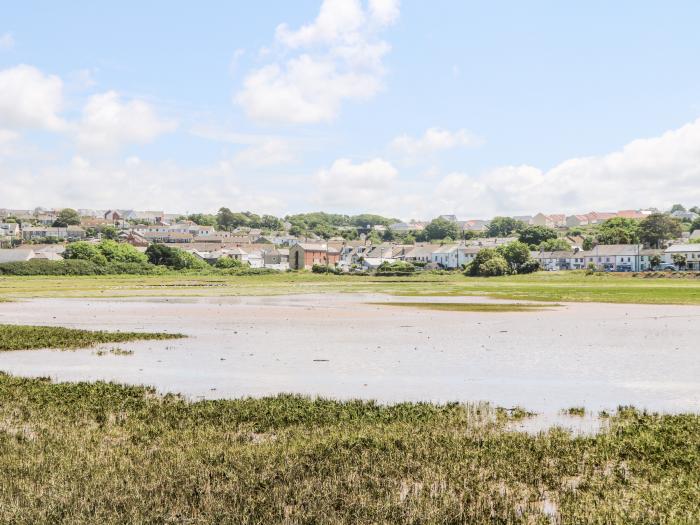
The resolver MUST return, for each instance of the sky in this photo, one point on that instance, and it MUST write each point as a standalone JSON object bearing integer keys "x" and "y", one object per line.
{"x": 408, "y": 109}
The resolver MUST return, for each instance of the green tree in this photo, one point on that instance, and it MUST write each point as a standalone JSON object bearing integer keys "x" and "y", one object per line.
{"x": 109, "y": 232}
{"x": 504, "y": 226}
{"x": 67, "y": 217}
{"x": 174, "y": 258}
{"x": 516, "y": 254}
{"x": 226, "y": 219}
{"x": 202, "y": 219}
{"x": 270, "y": 222}
{"x": 618, "y": 230}
{"x": 555, "y": 245}
{"x": 695, "y": 225}
{"x": 488, "y": 262}
{"x": 85, "y": 251}
{"x": 440, "y": 229}
{"x": 655, "y": 261}
{"x": 228, "y": 262}
{"x": 679, "y": 260}
{"x": 658, "y": 227}
{"x": 533, "y": 236}
{"x": 121, "y": 252}
{"x": 677, "y": 207}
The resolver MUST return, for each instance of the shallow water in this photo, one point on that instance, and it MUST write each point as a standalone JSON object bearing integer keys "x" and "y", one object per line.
{"x": 594, "y": 355}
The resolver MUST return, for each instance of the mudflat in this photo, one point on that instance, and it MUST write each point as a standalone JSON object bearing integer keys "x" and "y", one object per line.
{"x": 342, "y": 346}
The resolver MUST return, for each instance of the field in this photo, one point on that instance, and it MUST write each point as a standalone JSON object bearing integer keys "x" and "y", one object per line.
{"x": 542, "y": 286}
{"x": 102, "y": 453}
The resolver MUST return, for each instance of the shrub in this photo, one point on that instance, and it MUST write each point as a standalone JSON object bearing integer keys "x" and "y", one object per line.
{"x": 494, "y": 267}
{"x": 76, "y": 267}
{"x": 530, "y": 266}
{"x": 322, "y": 268}
{"x": 487, "y": 263}
{"x": 228, "y": 262}
{"x": 174, "y": 258}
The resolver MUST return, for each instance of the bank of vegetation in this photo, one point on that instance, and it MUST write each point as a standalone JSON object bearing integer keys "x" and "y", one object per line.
{"x": 103, "y": 453}
{"x": 109, "y": 257}
{"x": 25, "y": 337}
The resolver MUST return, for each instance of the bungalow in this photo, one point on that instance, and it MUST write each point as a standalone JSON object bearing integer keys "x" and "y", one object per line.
{"x": 305, "y": 255}
{"x": 690, "y": 251}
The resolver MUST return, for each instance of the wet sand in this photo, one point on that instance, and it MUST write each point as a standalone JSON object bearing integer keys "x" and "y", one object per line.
{"x": 594, "y": 355}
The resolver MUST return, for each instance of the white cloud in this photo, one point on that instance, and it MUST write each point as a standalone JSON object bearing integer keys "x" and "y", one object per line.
{"x": 335, "y": 58}
{"x": 345, "y": 184}
{"x": 434, "y": 140}
{"x": 7, "y": 42}
{"x": 141, "y": 185}
{"x": 30, "y": 99}
{"x": 656, "y": 171}
{"x": 108, "y": 123}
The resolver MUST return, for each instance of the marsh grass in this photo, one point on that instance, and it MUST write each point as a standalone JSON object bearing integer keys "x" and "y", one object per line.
{"x": 103, "y": 453}
{"x": 575, "y": 411}
{"x": 470, "y": 307}
{"x": 23, "y": 337}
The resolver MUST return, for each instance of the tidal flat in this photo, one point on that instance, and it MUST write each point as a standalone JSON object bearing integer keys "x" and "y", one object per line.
{"x": 591, "y": 355}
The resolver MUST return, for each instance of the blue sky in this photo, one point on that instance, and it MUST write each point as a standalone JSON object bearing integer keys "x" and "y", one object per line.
{"x": 409, "y": 109}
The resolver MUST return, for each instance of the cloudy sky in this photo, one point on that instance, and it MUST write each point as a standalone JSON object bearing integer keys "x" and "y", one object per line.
{"x": 408, "y": 109}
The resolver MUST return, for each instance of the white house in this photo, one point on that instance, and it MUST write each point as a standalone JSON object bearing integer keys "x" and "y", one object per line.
{"x": 690, "y": 251}
{"x": 615, "y": 257}
{"x": 446, "y": 256}
{"x": 560, "y": 260}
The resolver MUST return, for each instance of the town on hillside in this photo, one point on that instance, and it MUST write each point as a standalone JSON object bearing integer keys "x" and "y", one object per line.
{"x": 622, "y": 241}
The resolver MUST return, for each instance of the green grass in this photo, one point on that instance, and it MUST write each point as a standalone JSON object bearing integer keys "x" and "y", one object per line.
{"x": 21, "y": 337}
{"x": 541, "y": 286}
{"x": 575, "y": 411}
{"x": 469, "y": 307}
{"x": 102, "y": 453}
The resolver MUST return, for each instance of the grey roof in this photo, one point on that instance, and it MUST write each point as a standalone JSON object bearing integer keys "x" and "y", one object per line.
{"x": 683, "y": 248}
{"x": 15, "y": 255}
{"x": 612, "y": 250}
